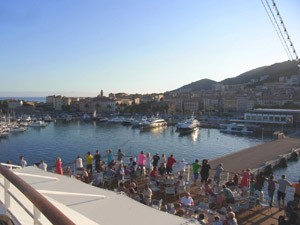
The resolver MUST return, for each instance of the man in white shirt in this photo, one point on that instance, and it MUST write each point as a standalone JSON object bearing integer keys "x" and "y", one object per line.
{"x": 187, "y": 200}
{"x": 78, "y": 163}
{"x": 23, "y": 162}
{"x": 43, "y": 165}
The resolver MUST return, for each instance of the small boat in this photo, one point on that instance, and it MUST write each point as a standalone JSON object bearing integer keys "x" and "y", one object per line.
{"x": 17, "y": 128}
{"x": 38, "y": 123}
{"x": 234, "y": 128}
{"x": 117, "y": 119}
{"x": 188, "y": 125}
{"x": 47, "y": 118}
{"x": 86, "y": 117}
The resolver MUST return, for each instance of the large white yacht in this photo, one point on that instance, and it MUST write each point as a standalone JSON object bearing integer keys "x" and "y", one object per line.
{"x": 152, "y": 123}
{"x": 188, "y": 125}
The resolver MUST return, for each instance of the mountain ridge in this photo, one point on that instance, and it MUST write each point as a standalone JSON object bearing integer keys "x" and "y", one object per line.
{"x": 269, "y": 73}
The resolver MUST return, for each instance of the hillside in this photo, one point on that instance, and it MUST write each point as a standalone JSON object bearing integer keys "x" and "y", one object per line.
{"x": 272, "y": 72}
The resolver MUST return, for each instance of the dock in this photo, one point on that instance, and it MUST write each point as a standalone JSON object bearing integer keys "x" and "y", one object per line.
{"x": 260, "y": 156}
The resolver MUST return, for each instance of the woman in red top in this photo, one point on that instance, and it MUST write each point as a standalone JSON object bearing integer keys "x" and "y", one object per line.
{"x": 58, "y": 165}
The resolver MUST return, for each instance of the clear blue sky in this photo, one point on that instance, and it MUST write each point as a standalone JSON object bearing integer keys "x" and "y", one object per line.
{"x": 77, "y": 47}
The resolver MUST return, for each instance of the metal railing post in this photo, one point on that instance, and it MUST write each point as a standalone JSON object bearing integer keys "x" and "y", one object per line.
{"x": 36, "y": 216}
{"x": 6, "y": 193}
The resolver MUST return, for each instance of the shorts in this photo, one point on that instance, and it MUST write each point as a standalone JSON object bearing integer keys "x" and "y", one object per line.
{"x": 196, "y": 176}
{"x": 280, "y": 195}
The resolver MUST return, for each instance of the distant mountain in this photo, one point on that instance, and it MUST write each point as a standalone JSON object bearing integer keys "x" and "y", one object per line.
{"x": 273, "y": 72}
{"x": 204, "y": 84}
{"x": 270, "y": 74}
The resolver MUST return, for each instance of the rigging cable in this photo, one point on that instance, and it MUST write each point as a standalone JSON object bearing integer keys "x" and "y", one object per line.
{"x": 281, "y": 37}
{"x": 285, "y": 30}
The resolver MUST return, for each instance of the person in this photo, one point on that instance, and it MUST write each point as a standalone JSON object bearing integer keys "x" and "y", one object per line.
{"x": 85, "y": 175}
{"x": 229, "y": 197}
{"x": 201, "y": 219}
{"x": 120, "y": 155}
{"x": 245, "y": 181}
{"x": 217, "y": 176}
{"x": 162, "y": 159}
{"x": 132, "y": 166}
{"x": 68, "y": 171}
{"x": 217, "y": 221}
{"x": 204, "y": 172}
{"x": 170, "y": 162}
{"x": 110, "y": 156}
{"x": 297, "y": 190}
{"x": 58, "y": 166}
{"x": 43, "y": 165}
{"x": 120, "y": 172}
{"x": 282, "y": 184}
{"x": 154, "y": 173}
{"x": 89, "y": 162}
{"x": 162, "y": 169}
{"x": 208, "y": 188}
{"x": 230, "y": 219}
{"x": 187, "y": 200}
{"x": 148, "y": 163}
{"x": 260, "y": 180}
{"x": 78, "y": 163}
{"x": 251, "y": 186}
{"x": 155, "y": 159}
{"x": 147, "y": 192}
{"x": 98, "y": 178}
{"x": 97, "y": 158}
{"x": 23, "y": 162}
{"x": 290, "y": 208}
{"x": 141, "y": 161}
{"x": 196, "y": 170}
{"x": 271, "y": 189}
{"x": 182, "y": 166}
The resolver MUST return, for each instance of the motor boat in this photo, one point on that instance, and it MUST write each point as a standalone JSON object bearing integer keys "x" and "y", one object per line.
{"x": 188, "y": 125}
{"x": 152, "y": 123}
{"x": 235, "y": 128}
{"x": 38, "y": 123}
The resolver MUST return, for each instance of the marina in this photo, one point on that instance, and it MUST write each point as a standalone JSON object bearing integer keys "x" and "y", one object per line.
{"x": 260, "y": 153}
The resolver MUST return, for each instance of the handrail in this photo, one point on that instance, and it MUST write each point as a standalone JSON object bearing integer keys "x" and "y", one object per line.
{"x": 53, "y": 214}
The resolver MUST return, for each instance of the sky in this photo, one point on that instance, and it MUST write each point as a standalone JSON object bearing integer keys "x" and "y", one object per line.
{"x": 78, "y": 48}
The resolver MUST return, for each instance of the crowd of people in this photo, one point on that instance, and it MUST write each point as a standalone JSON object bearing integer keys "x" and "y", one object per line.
{"x": 93, "y": 168}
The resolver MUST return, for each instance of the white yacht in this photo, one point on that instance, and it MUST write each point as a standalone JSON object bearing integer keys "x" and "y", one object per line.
{"x": 188, "y": 125}
{"x": 152, "y": 123}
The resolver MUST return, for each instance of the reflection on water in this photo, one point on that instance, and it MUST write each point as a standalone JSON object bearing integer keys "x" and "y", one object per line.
{"x": 193, "y": 135}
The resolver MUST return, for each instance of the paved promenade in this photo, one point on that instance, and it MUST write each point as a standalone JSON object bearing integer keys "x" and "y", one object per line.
{"x": 255, "y": 157}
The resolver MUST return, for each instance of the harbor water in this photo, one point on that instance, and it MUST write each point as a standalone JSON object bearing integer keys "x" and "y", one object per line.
{"x": 68, "y": 139}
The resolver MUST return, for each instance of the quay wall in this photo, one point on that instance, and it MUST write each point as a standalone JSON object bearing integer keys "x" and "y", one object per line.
{"x": 257, "y": 158}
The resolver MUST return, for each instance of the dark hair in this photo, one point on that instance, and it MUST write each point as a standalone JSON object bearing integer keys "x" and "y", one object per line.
{"x": 201, "y": 216}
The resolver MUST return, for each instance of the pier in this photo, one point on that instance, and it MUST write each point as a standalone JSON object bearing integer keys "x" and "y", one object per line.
{"x": 260, "y": 156}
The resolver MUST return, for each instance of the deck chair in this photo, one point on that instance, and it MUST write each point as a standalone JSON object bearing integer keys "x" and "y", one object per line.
{"x": 181, "y": 190}
{"x": 156, "y": 204}
{"x": 170, "y": 191}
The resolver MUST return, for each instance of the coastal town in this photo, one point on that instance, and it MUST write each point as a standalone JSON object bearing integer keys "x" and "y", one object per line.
{"x": 187, "y": 191}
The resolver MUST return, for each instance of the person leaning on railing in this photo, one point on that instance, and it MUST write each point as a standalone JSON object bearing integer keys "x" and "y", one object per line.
{"x": 297, "y": 190}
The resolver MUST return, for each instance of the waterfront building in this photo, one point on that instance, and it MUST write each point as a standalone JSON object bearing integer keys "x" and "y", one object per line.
{"x": 286, "y": 117}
